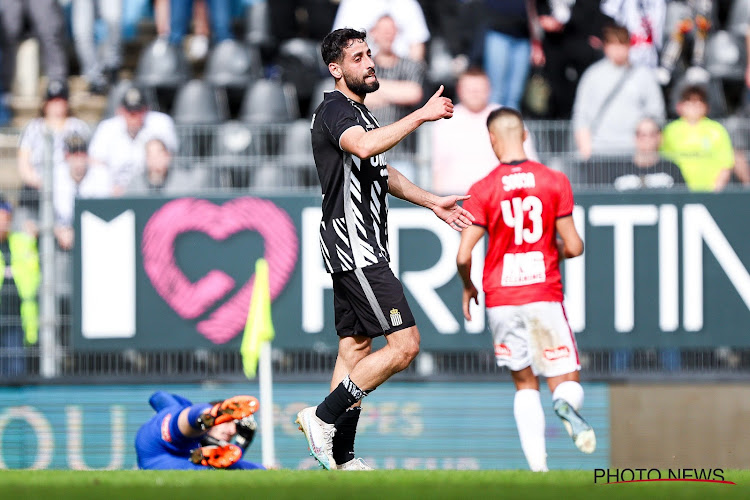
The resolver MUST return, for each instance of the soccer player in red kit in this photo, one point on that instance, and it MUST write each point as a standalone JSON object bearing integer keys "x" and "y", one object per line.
{"x": 526, "y": 210}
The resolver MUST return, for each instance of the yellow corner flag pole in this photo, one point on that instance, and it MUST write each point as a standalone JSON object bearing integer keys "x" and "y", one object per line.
{"x": 259, "y": 325}
{"x": 256, "y": 356}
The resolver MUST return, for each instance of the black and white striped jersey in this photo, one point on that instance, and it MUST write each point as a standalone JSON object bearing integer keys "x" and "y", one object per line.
{"x": 354, "y": 227}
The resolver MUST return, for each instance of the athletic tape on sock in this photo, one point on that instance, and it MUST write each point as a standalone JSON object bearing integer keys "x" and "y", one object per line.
{"x": 355, "y": 391}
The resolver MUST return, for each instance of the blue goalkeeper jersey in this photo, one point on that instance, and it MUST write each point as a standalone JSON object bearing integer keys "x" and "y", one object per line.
{"x": 159, "y": 444}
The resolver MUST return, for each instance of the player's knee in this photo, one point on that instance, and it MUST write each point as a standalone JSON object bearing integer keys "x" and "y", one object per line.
{"x": 406, "y": 354}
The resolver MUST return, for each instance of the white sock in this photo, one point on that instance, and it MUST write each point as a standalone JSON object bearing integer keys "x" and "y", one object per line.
{"x": 570, "y": 391}
{"x": 527, "y": 408}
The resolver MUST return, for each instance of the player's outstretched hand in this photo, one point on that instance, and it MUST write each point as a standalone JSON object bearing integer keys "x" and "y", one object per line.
{"x": 438, "y": 106}
{"x": 469, "y": 294}
{"x": 448, "y": 209}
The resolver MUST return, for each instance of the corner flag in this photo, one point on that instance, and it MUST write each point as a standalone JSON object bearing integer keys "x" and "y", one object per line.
{"x": 259, "y": 325}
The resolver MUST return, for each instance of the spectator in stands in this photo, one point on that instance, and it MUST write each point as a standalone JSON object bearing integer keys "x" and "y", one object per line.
{"x": 700, "y": 146}
{"x": 412, "y": 27}
{"x": 508, "y": 48}
{"x": 119, "y": 143}
{"x": 76, "y": 179}
{"x": 19, "y": 314}
{"x": 400, "y": 86}
{"x": 644, "y": 19}
{"x": 461, "y": 149}
{"x": 571, "y": 44}
{"x": 219, "y": 14}
{"x": 48, "y": 24}
{"x": 645, "y": 169}
{"x": 99, "y": 65}
{"x": 160, "y": 177}
{"x": 611, "y": 99}
{"x": 56, "y": 119}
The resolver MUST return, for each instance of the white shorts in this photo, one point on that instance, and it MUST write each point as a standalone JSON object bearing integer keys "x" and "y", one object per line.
{"x": 536, "y": 335}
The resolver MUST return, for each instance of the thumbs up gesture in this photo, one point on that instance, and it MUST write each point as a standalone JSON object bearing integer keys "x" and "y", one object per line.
{"x": 438, "y": 106}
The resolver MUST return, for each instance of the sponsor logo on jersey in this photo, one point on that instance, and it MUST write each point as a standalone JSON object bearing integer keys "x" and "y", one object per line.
{"x": 556, "y": 353}
{"x": 521, "y": 269}
{"x": 502, "y": 351}
{"x": 396, "y": 317}
{"x": 378, "y": 160}
{"x": 165, "y": 435}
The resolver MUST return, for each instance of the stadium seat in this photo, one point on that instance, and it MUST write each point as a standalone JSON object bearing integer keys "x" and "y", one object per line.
{"x": 198, "y": 106}
{"x": 300, "y": 63}
{"x": 233, "y": 64}
{"x": 236, "y": 150}
{"x": 268, "y": 101}
{"x": 726, "y": 56}
{"x": 316, "y": 97}
{"x": 294, "y": 167}
{"x": 162, "y": 65}
{"x": 298, "y": 164}
{"x": 161, "y": 69}
{"x": 197, "y": 103}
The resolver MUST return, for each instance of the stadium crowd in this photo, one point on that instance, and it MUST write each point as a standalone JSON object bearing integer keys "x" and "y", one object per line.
{"x": 644, "y": 94}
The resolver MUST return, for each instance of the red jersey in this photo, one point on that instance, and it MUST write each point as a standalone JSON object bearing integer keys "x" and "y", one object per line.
{"x": 518, "y": 204}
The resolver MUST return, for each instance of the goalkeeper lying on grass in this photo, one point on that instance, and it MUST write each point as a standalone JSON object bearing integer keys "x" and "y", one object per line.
{"x": 192, "y": 437}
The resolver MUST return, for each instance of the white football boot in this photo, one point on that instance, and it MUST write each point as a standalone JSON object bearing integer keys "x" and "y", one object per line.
{"x": 319, "y": 437}
{"x": 355, "y": 464}
{"x": 580, "y": 430}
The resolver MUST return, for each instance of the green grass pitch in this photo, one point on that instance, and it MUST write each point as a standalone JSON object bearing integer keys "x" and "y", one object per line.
{"x": 384, "y": 484}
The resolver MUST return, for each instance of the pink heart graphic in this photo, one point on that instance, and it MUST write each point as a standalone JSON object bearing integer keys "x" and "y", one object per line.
{"x": 190, "y": 300}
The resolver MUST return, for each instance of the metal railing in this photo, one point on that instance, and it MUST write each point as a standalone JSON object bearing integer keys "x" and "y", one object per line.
{"x": 273, "y": 158}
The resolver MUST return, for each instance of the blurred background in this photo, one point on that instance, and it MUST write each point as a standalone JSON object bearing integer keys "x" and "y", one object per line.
{"x": 152, "y": 150}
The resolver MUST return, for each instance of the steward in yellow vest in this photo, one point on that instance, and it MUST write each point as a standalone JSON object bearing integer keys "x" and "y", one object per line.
{"x": 19, "y": 260}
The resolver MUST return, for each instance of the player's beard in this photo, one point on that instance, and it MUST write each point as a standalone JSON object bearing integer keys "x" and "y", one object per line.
{"x": 359, "y": 86}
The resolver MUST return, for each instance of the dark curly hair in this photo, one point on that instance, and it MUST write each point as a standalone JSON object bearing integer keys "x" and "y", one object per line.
{"x": 336, "y": 41}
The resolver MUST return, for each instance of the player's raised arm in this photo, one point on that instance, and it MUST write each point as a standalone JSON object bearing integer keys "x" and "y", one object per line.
{"x": 445, "y": 207}
{"x": 366, "y": 144}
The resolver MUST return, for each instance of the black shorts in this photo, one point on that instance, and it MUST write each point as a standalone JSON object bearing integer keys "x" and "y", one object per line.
{"x": 370, "y": 302}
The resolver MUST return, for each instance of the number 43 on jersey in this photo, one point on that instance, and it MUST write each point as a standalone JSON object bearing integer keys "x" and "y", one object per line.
{"x": 523, "y": 268}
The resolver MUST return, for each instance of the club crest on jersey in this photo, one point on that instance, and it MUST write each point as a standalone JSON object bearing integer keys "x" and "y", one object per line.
{"x": 396, "y": 317}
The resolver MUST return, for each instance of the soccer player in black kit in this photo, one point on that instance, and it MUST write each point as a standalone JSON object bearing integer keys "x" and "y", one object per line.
{"x": 349, "y": 148}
